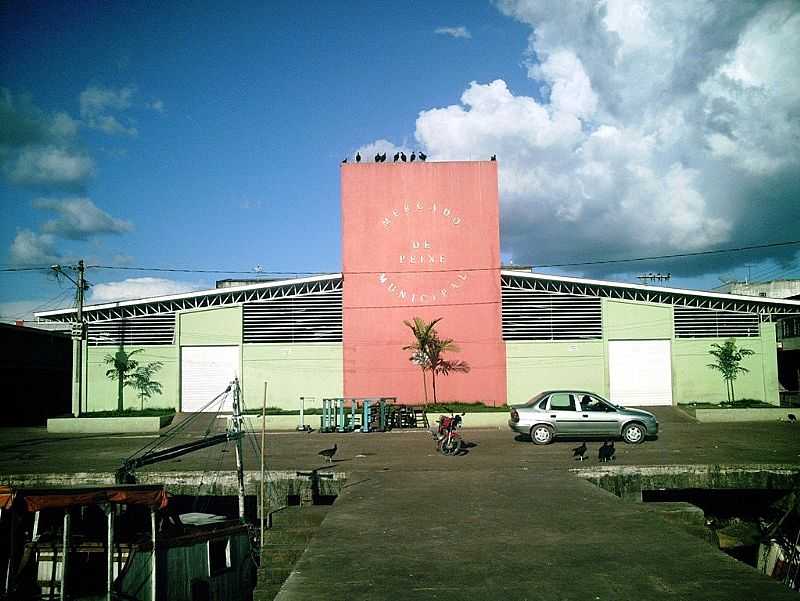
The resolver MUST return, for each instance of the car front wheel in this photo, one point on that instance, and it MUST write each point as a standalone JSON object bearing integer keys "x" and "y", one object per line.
{"x": 634, "y": 433}
{"x": 542, "y": 434}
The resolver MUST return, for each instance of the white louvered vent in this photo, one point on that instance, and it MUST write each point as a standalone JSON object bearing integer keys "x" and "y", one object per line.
{"x": 134, "y": 331}
{"x": 705, "y": 323}
{"x": 306, "y": 318}
{"x": 539, "y": 315}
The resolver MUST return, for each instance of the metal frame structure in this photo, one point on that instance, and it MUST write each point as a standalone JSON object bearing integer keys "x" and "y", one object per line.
{"x": 766, "y": 309}
{"x": 217, "y": 297}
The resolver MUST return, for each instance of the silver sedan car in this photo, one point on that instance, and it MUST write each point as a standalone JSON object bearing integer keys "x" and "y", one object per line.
{"x": 575, "y": 414}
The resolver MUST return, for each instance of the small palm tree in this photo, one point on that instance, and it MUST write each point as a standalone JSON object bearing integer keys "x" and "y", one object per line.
{"x": 427, "y": 352}
{"x": 122, "y": 366}
{"x": 728, "y": 356}
{"x": 142, "y": 381}
{"x": 423, "y": 332}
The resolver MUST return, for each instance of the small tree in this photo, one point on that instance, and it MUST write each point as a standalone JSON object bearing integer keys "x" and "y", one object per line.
{"x": 142, "y": 381}
{"x": 122, "y": 367}
{"x": 728, "y": 357}
{"x": 428, "y": 350}
{"x": 423, "y": 334}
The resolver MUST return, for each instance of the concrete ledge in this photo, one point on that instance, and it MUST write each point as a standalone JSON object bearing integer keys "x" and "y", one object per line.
{"x": 742, "y": 415}
{"x": 107, "y": 425}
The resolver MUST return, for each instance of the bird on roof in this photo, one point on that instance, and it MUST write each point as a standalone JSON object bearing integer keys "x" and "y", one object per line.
{"x": 328, "y": 453}
{"x": 579, "y": 452}
{"x": 422, "y": 156}
{"x": 344, "y": 160}
{"x": 383, "y": 158}
{"x": 792, "y": 418}
{"x": 358, "y": 157}
{"x": 494, "y": 157}
{"x": 403, "y": 156}
{"x": 377, "y": 158}
{"x": 413, "y": 157}
{"x": 396, "y": 157}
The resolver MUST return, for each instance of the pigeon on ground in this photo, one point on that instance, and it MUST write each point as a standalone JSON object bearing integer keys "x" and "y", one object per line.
{"x": 358, "y": 157}
{"x": 579, "y": 452}
{"x": 422, "y": 156}
{"x": 396, "y": 157}
{"x": 328, "y": 453}
{"x": 792, "y": 418}
{"x": 403, "y": 156}
{"x": 494, "y": 157}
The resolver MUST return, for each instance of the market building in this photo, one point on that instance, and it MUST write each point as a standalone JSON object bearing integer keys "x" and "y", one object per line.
{"x": 422, "y": 240}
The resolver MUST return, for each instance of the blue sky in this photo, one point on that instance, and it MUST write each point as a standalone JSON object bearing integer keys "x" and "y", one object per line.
{"x": 200, "y": 135}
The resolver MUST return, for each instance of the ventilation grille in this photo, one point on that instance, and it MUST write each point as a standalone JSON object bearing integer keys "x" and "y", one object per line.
{"x": 538, "y": 315}
{"x": 307, "y": 318}
{"x": 134, "y": 331}
{"x": 705, "y": 323}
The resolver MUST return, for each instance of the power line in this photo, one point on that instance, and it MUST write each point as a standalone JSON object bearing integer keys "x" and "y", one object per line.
{"x": 265, "y": 275}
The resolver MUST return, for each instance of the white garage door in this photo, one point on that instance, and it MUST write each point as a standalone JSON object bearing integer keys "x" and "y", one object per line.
{"x": 205, "y": 372}
{"x": 640, "y": 372}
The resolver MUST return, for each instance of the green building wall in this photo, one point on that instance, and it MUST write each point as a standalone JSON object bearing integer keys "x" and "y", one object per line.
{"x": 291, "y": 371}
{"x": 542, "y": 365}
{"x": 100, "y": 392}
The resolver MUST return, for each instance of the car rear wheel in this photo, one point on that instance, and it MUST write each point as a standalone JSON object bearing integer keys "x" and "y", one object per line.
{"x": 541, "y": 434}
{"x": 634, "y": 433}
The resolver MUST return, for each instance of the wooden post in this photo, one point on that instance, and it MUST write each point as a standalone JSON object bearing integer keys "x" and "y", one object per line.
{"x": 10, "y": 565}
{"x": 64, "y": 555}
{"x": 153, "y": 588}
{"x": 110, "y": 560}
{"x": 237, "y": 420}
{"x": 263, "y": 449}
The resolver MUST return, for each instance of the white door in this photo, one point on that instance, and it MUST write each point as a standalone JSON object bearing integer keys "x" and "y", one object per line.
{"x": 640, "y": 372}
{"x": 206, "y": 371}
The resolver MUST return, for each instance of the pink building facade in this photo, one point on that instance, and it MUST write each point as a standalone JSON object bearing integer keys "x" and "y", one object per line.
{"x": 421, "y": 240}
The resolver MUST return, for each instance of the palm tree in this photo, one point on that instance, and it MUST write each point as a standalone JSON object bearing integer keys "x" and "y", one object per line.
{"x": 728, "y": 358}
{"x": 440, "y": 365}
{"x": 427, "y": 352}
{"x": 121, "y": 367}
{"x": 142, "y": 381}
{"x": 423, "y": 335}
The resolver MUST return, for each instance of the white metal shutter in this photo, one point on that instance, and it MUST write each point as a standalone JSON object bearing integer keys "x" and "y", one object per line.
{"x": 640, "y": 372}
{"x": 206, "y": 371}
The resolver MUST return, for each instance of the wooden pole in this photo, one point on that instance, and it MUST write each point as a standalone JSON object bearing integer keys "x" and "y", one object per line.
{"x": 64, "y": 555}
{"x": 110, "y": 560}
{"x": 237, "y": 420}
{"x": 263, "y": 449}
{"x": 153, "y": 588}
{"x": 10, "y": 565}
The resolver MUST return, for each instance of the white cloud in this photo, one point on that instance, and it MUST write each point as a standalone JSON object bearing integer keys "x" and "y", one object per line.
{"x": 31, "y": 249}
{"x": 134, "y": 288}
{"x": 40, "y": 149}
{"x": 50, "y": 166}
{"x": 455, "y": 32}
{"x": 79, "y": 218}
{"x": 97, "y": 104}
{"x": 662, "y": 127}
{"x": 157, "y": 106}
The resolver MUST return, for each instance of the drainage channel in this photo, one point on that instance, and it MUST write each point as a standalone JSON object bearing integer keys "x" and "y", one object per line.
{"x": 752, "y": 513}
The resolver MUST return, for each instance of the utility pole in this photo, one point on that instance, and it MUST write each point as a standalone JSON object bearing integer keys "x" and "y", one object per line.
{"x": 78, "y": 334}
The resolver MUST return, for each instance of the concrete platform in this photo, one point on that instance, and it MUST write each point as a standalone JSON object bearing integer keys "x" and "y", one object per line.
{"x": 507, "y": 520}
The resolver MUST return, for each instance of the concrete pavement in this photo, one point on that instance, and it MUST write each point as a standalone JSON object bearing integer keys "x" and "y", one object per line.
{"x": 507, "y": 520}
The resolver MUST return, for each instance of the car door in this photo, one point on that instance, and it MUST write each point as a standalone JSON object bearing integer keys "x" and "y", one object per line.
{"x": 562, "y": 413}
{"x": 597, "y": 418}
